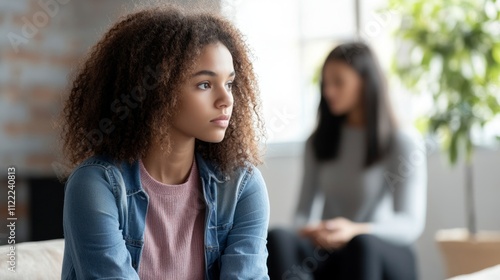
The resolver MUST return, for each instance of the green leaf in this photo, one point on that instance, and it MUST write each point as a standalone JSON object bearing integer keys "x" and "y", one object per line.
{"x": 453, "y": 148}
{"x": 453, "y": 35}
{"x": 496, "y": 53}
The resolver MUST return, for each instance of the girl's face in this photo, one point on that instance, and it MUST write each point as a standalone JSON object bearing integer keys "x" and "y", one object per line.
{"x": 341, "y": 87}
{"x": 206, "y": 101}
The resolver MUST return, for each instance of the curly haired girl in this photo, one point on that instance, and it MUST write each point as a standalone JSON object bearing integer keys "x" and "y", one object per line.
{"x": 162, "y": 126}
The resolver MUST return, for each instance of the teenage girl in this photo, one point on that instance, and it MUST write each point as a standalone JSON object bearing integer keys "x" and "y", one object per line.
{"x": 163, "y": 127}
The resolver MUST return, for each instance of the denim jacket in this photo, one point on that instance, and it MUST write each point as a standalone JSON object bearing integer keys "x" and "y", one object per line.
{"x": 105, "y": 212}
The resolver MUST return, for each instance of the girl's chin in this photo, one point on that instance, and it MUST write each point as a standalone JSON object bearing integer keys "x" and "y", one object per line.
{"x": 213, "y": 139}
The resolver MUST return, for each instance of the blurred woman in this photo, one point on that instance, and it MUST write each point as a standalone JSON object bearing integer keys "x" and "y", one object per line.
{"x": 365, "y": 174}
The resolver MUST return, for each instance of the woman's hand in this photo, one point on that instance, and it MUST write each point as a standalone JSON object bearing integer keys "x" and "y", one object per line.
{"x": 334, "y": 233}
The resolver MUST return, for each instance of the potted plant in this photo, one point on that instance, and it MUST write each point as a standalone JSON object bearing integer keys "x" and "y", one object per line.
{"x": 451, "y": 51}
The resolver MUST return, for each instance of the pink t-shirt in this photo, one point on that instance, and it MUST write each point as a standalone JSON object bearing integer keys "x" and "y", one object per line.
{"x": 174, "y": 233}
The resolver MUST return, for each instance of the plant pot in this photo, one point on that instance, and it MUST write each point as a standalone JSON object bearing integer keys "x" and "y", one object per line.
{"x": 465, "y": 253}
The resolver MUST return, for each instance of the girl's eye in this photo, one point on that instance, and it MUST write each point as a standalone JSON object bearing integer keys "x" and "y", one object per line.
{"x": 204, "y": 85}
{"x": 229, "y": 86}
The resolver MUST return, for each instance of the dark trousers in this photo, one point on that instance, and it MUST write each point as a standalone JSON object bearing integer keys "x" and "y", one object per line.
{"x": 365, "y": 257}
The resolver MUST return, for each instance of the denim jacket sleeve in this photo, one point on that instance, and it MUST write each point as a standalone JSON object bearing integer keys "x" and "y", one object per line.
{"x": 245, "y": 255}
{"x": 92, "y": 232}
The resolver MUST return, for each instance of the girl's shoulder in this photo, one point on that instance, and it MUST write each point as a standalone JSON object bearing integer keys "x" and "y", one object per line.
{"x": 92, "y": 167}
{"x": 94, "y": 176}
{"x": 99, "y": 160}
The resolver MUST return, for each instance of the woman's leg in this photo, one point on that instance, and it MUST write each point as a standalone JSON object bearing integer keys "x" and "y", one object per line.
{"x": 367, "y": 257}
{"x": 292, "y": 257}
{"x": 399, "y": 262}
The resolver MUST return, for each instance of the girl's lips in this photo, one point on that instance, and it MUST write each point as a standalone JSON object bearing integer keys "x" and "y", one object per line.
{"x": 221, "y": 117}
{"x": 220, "y": 122}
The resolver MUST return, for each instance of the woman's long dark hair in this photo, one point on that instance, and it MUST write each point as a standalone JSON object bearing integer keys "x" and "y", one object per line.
{"x": 380, "y": 123}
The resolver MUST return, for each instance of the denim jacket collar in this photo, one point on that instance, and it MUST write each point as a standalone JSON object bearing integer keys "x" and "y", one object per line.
{"x": 131, "y": 174}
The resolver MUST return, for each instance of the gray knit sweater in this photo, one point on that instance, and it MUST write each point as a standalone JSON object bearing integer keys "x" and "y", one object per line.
{"x": 391, "y": 195}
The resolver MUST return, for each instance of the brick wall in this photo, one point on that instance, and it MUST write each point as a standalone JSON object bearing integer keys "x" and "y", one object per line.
{"x": 40, "y": 43}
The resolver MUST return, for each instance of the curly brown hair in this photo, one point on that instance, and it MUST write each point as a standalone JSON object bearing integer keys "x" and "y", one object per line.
{"x": 124, "y": 95}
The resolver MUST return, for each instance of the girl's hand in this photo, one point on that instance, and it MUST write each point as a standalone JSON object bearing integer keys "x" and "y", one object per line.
{"x": 334, "y": 233}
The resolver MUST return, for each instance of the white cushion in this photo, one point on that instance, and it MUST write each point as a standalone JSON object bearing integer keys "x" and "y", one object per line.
{"x": 34, "y": 260}
{"x": 491, "y": 273}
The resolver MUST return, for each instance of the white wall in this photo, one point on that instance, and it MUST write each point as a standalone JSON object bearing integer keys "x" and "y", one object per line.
{"x": 445, "y": 208}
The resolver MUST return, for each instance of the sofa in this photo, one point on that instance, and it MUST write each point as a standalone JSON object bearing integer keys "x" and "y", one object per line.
{"x": 42, "y": 260}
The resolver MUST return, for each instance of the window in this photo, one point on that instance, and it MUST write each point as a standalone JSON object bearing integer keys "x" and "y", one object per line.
{"x": 289, "y": 40}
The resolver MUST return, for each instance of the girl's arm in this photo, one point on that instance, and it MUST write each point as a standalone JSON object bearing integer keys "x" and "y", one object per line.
{"x": 406, "y": 178}
{"x": 245, "y": 255}
{"x": 92, "y": 232}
